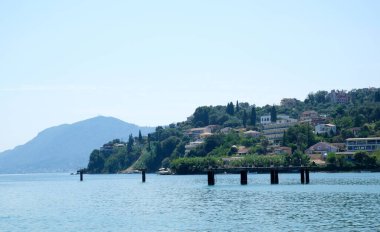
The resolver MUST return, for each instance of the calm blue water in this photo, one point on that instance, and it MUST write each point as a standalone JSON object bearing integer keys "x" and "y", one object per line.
{"x": 60, "y": 202}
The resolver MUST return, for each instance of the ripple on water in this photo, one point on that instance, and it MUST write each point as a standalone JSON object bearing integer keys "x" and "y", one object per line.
{"x": 332, "y": 202}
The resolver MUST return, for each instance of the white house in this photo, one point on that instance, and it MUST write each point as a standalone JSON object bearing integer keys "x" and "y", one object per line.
{"x": 265, "y": 119}
{"x": 325, "y": 129}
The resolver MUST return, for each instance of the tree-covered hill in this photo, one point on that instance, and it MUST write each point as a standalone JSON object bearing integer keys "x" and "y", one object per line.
{"x": 355, "y": 113}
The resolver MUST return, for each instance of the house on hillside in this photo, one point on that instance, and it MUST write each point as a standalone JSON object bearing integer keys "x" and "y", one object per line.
{"x": 363, "y": 144}
{"x": 282, "y": 150}
{"x": 321, "y": 148}
{"x": 196, "y": 132}
{"x": 329, "y": 129}
{"x": 341, "y": 146}
{"x": 192, "y": 145}
{"x": 252, "y": 134}
{"x": 226, "y": 130}
{"x": 242, "y": 150}
{"x": 308, "y": 115}
{"x": 275, "y": 131}
{"x": 312, "y": 117}
{"x": 266, "y": 119}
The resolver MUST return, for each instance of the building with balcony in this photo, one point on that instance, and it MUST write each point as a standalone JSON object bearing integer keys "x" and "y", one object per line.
{"x": 363, "y": 144}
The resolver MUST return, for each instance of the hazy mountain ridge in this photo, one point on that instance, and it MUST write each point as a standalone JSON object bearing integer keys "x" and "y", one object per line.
{"x": 66, "y": 147}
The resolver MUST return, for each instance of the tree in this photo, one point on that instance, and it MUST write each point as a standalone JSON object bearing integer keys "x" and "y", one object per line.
{"x": 130, "y": 143}
{"x": 201, "y": 116}
{"x": 331, "y": 158}
{"x": 96, "y": 163}
{"x": 320, "y": 96}
{"x": 148, "y": 142}
{"x": 362, "y": 159}
{"x": 245, "y": 116}
{"x": 253, "y": 116}
{"x": 140, "y": 137}
{"x": 237, "y": 106}
{"x": 265, "y": 144}
{"x": 310, "y": 98}
{"x": 273, "y": 114}
{"x": 230, "y": 108}
{"x": 301, "y": 135}
{"x": 377, "y": 96}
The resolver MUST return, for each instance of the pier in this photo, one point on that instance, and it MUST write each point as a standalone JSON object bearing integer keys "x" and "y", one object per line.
{"x": 274, "y": 171}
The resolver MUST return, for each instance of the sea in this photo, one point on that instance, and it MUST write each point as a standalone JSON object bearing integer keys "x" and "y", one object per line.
{"x": 121, "y": 202}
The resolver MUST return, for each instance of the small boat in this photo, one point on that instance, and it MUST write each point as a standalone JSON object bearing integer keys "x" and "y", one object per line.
{"x": 164, "y": 171}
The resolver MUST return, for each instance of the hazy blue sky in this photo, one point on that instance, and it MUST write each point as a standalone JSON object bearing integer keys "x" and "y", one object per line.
{"x": 154, "y": 62}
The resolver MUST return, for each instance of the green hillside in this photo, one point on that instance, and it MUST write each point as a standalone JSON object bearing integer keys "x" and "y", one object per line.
{"x": 230, "y": 138}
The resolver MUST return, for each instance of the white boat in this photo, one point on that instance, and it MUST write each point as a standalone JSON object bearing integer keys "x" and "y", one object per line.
{"x": 164, "y": 171}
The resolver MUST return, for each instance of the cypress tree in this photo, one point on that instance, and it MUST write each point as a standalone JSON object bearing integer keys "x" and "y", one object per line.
{"x": 140, "y": 137}
{"x": 130, "y": 143}
{"x": 253, "y": 116}
{"x": 245, "y": 118}
{"x": 230, "y": 108}
{"x": 273, "y": 114}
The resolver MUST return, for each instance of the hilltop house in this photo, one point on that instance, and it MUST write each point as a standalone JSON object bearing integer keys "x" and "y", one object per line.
{"x": 339, "y": 96}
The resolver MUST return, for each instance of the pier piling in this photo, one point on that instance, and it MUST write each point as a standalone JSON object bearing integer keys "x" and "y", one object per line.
{"x": 273, "y": 170}
{"x": 211, "y": 177}
{"x": 243, "y": 177}
{"x": 302, "y": 171}
{"x": 275, "y": 176}
{"x": 143, "y": 176}
{"x": 272, "y": 176}
{"x": 81, "y": 175}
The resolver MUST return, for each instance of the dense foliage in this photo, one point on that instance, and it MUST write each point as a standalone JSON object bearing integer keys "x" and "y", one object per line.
{"x": 166, "y": 146}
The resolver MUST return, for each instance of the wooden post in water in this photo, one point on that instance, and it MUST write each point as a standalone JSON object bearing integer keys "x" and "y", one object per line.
{"x": 302, "y": 176}
{"x": 272, "y": 176}
{"x": 276, "y": 176}
{"x": 210, "y": 177}
{"x": 243, "y": 177}
{"x": 307, "y": 176}
{"x": 81, "y": 175}
{"x": 143, "y": 176}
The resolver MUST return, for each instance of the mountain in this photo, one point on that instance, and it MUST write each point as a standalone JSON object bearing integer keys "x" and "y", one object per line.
{"x": 66, "y": 147}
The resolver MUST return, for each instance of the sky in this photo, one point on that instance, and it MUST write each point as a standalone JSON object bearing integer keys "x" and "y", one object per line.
{"x": 153, "y": 62}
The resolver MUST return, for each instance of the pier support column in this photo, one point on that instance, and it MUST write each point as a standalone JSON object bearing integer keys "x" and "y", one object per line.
{"x": 243, "y": 177}
{"x": 302, "y": 171}
{"x": 307, "y": 176}
{"x": 272, "y": 176}
{"x": 81, "y": 175}
{"x": 275, "y": 176}
{"x": 143, "y": 176}
{"x": 210, "y": 177}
